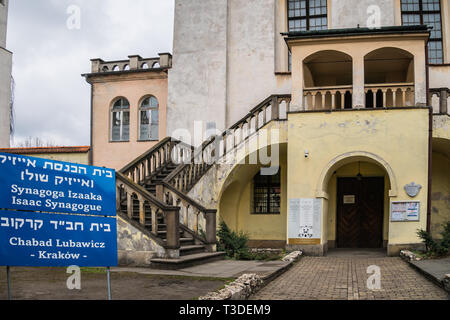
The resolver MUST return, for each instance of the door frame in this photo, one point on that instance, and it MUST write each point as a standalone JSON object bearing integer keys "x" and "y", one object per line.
{"x": 338, "y": 207}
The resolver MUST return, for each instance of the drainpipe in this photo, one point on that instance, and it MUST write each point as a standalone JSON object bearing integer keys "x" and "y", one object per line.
{"x": 430, "y": 141}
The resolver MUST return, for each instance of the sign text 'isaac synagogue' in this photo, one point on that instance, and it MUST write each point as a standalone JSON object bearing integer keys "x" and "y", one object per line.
{"x": 56, "y": 213}
{"x": 34, "y": 184}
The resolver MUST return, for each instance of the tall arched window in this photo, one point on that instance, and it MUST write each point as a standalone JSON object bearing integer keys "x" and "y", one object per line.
{"x": 120, "y": 120}
{"x": 149, "y": 115}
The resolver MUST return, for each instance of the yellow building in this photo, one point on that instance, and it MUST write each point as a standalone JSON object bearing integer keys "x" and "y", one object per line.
{"x": 331, "y": 122}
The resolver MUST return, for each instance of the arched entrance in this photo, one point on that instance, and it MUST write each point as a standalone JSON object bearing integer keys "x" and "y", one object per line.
{"x": 389, "y": 78}
{"x": 328, "y": 80}
{"x": 357, "y": 187}
{"x": 255, "y": 203}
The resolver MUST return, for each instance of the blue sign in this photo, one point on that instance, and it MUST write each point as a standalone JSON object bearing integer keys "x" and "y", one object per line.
{"x": 34, "y": 184}
{"x": 57, "y": 240}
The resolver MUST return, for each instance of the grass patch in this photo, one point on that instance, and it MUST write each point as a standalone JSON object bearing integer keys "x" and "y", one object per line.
{"x": 93, "y": 270}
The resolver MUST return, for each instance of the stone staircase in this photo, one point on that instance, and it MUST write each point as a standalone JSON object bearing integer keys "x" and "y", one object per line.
{"x": 142, "y": 205}
{"x": 152, "y": 190}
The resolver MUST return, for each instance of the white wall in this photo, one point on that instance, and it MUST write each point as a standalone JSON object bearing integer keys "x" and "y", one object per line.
{"x": 197, "y": 81}
{"x": 5, "y": 80}
{"x": 251, "y": 56}
{"x": 224, "y": 61}
{"x": 3, "y": 23}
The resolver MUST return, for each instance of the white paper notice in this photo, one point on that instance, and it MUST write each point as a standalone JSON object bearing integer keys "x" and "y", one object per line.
{"x": 405, "y": 211}
{"x": 304, "y": 218}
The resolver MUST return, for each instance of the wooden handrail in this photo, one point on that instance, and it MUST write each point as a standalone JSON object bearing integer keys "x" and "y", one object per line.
{"x": 186, "y": 198}
{"x": 144, "y": 193}
{"x": 152, "y": 150}
{"x": 272, "y": 100}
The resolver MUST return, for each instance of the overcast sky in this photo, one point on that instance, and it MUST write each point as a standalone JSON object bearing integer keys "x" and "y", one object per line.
{"x": 52, "y": 100}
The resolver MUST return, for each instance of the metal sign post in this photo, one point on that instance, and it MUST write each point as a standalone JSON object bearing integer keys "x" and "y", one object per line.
{"x": 8, "y": 279}
{"x": 108, "y": 276}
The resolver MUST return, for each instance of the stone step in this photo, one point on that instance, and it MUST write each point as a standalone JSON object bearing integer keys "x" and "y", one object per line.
{"x": 191, "y": 249}
{"x": 186, "y": 261}
{"x": 187, "y": 241}
{"x": 163, "y": 233}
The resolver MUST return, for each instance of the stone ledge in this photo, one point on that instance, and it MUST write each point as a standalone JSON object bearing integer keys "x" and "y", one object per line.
{"x": 446, "y": 283}
{"x": 240, "y": 289}
{"x": 293, "y": 256}
{"x": 248, "y": 284}
{"x": 135, "y": 258}
{"x": 409, "y": 256}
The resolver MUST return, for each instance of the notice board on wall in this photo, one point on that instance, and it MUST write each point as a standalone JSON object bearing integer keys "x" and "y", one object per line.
{"x": 402, "y": 211}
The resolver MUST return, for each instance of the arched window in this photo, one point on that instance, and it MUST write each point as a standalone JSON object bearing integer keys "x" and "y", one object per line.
{"x": 149, "y": 123}
{"x": 120, "y": 120}
{"x": 267, "y": 193}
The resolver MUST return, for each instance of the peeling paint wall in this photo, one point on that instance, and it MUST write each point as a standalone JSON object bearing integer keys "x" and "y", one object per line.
{"x": 134, "y": 247}
{"x": 223, "y": 62}
{"x": 198, "y": 78}
{"x": 441, "y": 127}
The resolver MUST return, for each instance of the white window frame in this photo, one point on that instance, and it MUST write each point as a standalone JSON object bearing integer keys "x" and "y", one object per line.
{"x": 148, "y": 108}
{"x": 121, "y": 112}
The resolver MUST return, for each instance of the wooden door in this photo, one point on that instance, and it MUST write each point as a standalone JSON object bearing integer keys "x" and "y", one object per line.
{"x": 360, "y": 207}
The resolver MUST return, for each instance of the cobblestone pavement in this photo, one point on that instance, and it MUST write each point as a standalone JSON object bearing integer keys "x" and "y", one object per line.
{"x": 345, "y": 278}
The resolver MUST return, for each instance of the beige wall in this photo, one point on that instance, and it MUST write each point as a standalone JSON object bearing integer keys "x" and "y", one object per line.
{"x": 134, "y": 87}
{"x": 440, "y": 76}
{"x": 357, "y": 48}
{"x": 396, "y": 140}
{"x": 236, "y": 205}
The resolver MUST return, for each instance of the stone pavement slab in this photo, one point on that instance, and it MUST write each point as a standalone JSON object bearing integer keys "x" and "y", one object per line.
{"x": 345, "y": 278}
{"x": 436, "y": 269}
{"x": 219, "y": 269}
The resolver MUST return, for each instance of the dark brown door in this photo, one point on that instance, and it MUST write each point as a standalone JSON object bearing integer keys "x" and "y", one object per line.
{"x": 360, "y": 212}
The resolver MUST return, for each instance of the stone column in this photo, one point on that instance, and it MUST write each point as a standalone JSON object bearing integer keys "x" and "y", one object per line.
{"x": 275, "y": 109}
{"x": 420, "y": 84}
{"x": 211, "y": 229}
{"x": 297, "y": 80}
{"x": 165, "y": 60}
{"x": 359, "y": 98}
{"x": 443, "y": 100}
{"x": 172, "y": 220}
{"x": 95, "y": 68}
{"x": 134, "y": 62}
